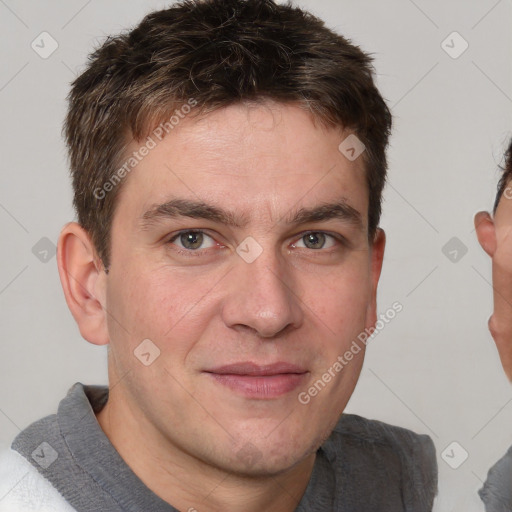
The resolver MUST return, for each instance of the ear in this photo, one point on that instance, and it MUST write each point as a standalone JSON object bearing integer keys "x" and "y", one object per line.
{"x": 83, "y": 280}
{"x": 486, "y": 232}
{"x": 377, "y": 257}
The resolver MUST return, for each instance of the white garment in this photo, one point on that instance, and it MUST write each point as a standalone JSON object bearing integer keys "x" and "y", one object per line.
{"x": 24, "y": 489}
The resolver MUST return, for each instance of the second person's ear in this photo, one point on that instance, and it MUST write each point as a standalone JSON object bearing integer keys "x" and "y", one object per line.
{"x": 486, "y": 232}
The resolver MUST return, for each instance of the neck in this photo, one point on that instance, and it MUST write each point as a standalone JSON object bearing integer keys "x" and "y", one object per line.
{"x": 190, "y": 484}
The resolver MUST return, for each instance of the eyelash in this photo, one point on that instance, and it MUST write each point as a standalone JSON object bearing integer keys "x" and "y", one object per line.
{"x": 199, "y": 252}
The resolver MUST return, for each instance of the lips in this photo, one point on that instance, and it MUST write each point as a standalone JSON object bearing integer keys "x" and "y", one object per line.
{"x": 253, "y": 369}
{"x": 259, "y": 381}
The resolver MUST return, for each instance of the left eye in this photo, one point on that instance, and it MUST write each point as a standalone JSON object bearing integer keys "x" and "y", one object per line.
{"x": 316, "y": 240}
{"x": 193, "y": 240}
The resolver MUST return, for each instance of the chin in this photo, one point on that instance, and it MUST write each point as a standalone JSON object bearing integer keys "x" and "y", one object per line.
{"x": 263, "y": 468}
{"x": 254, "y": 459}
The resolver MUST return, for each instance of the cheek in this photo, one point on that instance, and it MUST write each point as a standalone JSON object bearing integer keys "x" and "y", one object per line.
{"x": 503, "y": 255}
{"x": 160, "y": 304}
{"x": 340, "y": 299}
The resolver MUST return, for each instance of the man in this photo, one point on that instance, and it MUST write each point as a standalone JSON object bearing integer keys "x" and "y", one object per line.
{"x": 495, "y": 236}
{"x": 228, "y": 159}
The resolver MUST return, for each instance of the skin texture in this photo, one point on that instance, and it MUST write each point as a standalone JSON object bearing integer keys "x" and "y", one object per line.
{"x": 192, "y": 440}
{"x": 495, "y": 237}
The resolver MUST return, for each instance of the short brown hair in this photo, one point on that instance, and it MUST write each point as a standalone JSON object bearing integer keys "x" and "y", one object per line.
{"x": 218, "y": 52}
{"x": 506, "y": 177}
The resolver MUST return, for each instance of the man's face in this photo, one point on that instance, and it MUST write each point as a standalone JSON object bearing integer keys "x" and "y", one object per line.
{"x": 251, "y": 304}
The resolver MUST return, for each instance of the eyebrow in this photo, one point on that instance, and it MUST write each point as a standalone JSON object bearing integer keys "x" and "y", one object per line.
{"x": 174, "y": 208}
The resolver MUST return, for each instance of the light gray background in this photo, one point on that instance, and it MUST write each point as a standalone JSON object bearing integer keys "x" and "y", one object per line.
{"x": 434, "y": 368}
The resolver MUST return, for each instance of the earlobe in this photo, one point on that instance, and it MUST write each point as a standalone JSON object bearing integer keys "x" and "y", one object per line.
{"x": 486, "y": 232}
{"x": 83, "y": 282}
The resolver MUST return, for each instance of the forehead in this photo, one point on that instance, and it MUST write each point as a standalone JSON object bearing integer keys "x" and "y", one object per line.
{"x": 257, "y": 159}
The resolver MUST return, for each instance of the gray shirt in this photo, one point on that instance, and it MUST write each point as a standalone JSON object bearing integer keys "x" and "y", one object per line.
{"x": 364, "y": 466}
{"x": 497, "y": 490}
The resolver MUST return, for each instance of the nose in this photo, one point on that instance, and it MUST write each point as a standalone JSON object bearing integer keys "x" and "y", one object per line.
{"x": 261, "y": 296}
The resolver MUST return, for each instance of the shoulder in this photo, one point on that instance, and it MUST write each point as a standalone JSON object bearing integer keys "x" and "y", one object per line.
{"x": 390, "y": 456}
{"x": 497, "y": 491}
{"x": 24, "y": 489}
{"x": 377, "y": 433}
